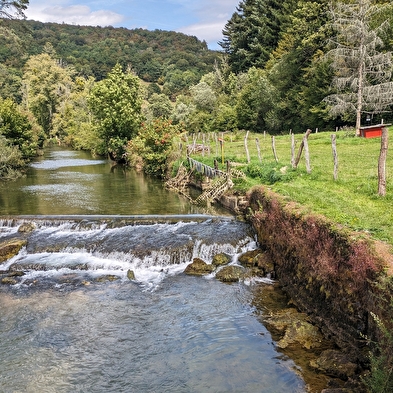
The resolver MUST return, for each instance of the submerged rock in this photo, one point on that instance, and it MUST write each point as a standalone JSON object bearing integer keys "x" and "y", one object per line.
{"x": 198, "y": 267}
{"x": 221, "y": 259}
{"x": 10, "y": 248}
{"x": 230, "y": 274}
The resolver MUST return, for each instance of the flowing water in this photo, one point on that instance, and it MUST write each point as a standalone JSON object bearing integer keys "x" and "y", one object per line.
{"x": 78, "y": 321}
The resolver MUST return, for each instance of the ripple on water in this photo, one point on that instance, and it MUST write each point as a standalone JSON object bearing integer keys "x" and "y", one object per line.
{"x": 190, "y": 335}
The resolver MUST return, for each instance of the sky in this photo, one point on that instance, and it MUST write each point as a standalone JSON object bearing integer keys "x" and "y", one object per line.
{"x": 204, "y": 19}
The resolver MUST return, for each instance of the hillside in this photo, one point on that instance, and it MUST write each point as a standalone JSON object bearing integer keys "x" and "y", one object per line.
{"x": 93, "y": 51}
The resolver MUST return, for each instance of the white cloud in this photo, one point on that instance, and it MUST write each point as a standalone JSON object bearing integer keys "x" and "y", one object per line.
{"x": 210, "y": 32}
{"x": 74, "y": 14}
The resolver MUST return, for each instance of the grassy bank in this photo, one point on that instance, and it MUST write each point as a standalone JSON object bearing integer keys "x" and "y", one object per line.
{"x": 351, "y": 200}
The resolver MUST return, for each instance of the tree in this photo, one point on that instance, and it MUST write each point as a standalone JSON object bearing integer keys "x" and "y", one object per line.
{"x": 16, "y": 128}
{"x": 116, "y": 103}
{"x": 253, "y": 32}
{"x": 363, "y": 72}
{"x": 13, "y": 8}
{"x": 46, "y": 84}
{"x": 73, "y": 121}
{"x": 160, "y": 106}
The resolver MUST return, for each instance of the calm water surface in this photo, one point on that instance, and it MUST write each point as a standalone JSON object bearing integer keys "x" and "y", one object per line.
{"x": 64, "y": 329}
{"x": 72, "y": 182}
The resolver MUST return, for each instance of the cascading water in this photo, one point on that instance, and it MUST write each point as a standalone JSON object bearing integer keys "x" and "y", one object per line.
{"x": 87, "y": 248}
{"x": 65, "y": 329}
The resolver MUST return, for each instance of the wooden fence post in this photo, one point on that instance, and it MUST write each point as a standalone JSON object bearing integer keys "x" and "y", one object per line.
{"x": 299, "y": 154}
{"x": 246, "y": 147}
{"x": 307, "y": 155}
{"x": 293, "y": 150}
{"x": 335, "y": 157}
{"x": 258, "y": 150}
{"x": 382, "y": 163}
{"x": 274, "y": 148}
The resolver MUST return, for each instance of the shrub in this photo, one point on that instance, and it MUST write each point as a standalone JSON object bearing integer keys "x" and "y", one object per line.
{"x": 153, "y": 146}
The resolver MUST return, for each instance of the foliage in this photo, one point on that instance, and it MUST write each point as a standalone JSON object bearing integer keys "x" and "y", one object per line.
{"x": 253, "y": 32}
{"x": 380, "y": 379}
{"x": 73, "y": 123}
{"x": 159, "y": 106}
{"x": 46, "y": 84}
{"x": 270, "y": 173}
{"x": 11, "y": 161}
{"x": 116, "y": 104}
{"x": 153, "y": 144}
{"x": 93, "y": 51}
{"x": 16, "y": 128}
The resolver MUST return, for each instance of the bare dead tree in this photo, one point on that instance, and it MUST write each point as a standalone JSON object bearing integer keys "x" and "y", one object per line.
{"x": 363, "y": 72}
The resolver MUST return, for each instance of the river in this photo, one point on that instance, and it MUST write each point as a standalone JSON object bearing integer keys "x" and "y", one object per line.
{"x": 76, "y": 322}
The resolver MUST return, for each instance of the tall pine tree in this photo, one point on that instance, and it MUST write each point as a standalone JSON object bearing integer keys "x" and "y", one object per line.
{"x": 253, "y": 32}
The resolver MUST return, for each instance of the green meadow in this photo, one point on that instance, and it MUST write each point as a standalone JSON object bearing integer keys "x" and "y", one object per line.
{"x": 351, "y": 199}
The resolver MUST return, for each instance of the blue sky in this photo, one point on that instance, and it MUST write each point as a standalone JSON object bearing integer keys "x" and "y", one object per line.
{"x": 204, "y": 19}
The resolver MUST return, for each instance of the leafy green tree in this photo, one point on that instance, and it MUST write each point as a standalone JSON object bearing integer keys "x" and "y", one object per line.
{"x": 225, "y": 118}
{"x": 46, "y": 84}
{"x": 255, "y": 101}
{"x": 116, "y": 103}
{"x": 11, "y": 160}
{"x": 73, "y": 121}
{"x": 203, "y": 96}
{"x": 13, "y": 8}
{"x": 292, "y": 65}
{"x": 152, "y": 147}
{"x": 16, "y": 128}
{"x": 160, "y": 106}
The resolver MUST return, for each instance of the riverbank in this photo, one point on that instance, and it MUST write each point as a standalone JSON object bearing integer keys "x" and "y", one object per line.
{"x": 341, "y": 279}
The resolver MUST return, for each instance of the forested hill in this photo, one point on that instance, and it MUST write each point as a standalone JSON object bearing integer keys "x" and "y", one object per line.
{"x": 94, "y": 51}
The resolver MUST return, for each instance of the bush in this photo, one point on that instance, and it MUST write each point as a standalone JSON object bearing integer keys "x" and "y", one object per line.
{"x": 11, "y": 160}
{"x": 152, "y": 147}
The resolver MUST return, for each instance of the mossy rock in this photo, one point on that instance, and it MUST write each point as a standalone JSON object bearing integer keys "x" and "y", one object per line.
{"x": 301, "y": 333}
{"x": 10, "y": 248}
{"x": 198, "y": 267}
{"x": 230, "y": 274}
{"x": 248, "y": 258}
{"x": 8, "y": 281}
{"x": 335, "y": 364}
{"x": 130, "y": 275}
{"x": 221, "y": 259}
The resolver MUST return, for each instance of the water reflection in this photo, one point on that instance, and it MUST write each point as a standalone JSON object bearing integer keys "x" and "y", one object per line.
{"x": 73, "y": 182}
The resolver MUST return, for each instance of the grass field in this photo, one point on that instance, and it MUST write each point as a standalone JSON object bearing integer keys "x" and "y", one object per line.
{"x": 351, "y": 200}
